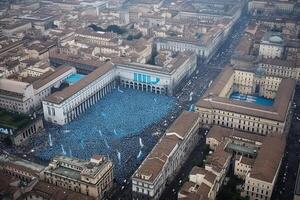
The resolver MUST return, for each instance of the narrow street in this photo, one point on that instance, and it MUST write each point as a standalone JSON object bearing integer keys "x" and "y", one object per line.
{"x": 284, "y": 188}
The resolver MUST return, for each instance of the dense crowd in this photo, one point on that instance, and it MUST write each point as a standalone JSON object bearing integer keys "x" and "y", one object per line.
{"x": 119, "y": 126}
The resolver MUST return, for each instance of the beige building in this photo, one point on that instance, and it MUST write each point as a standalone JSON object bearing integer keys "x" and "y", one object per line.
{"x": 216, "y": 107}
{"x": 260, "y": 181}
{"x": 242, "y": 166}
{"x": 271, "y": 6}
{"x": 218, "y": 134}
{"x": 281, "y": 68}
{"x": 257, "y": 158}
{"x": 166, "y": 158}
{"x": 271, "y": 45}
{"x": 201, "y": 185}
{"x": 99, "y": 38}
{"x": 23, "y": 169}
{"x": 92, "y": 178}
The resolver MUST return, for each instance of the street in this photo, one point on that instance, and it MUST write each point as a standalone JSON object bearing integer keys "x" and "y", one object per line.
{"x": 284, "y": 188}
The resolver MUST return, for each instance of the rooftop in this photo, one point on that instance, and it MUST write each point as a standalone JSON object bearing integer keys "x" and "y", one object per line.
{"x": 67, "y": 172}
{"x": 218, "y": 158}
{"x": 219, "y": 133}
{"x": 60, "y": 96}
{"x": 269, "y": 158}
{"x": 20, "y": 164}
{"x": 169, "y": 68}
{"x": 212, "y": 99}
{"x": 83, "y": 168}
{"x": 273, "y": 37}
{"x": 50, "y": 191}
{"x": 13, "y": 120}
{"x": 193, "y": 191}
{"x": 48, "y": 77}
{"x": 208, "y": 175}
{"x": 153, "y": 165}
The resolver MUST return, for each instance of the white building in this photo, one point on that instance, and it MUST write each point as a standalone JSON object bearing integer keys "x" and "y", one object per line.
{"x": 157, "y": 79}
{"x": 16, "y": 27}
{"x": 64, "y": 106}
{"x": 25, "y": 97}
{"x": 166, "y": 158}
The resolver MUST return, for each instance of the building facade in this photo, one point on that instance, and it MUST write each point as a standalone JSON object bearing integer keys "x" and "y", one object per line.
{"x": 25, "y": 97}
{"x": 19, "y": 136}
{"x": 157, "y": 79}
{"x": 166, "y": 158}
{"x": 92, "y": 178}
{"x": 216, "y": 107}
{"x": 64, "y": 106}
{"x": 271, "y": 46}
{"x": 261, "y": 179}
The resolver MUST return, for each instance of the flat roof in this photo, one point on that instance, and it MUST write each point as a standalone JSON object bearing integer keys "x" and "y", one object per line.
{"x": 67, "y": 172}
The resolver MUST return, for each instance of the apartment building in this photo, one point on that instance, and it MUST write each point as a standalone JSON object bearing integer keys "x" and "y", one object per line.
{"x": 247, "y": 113}
{"x": 166, "y": 158}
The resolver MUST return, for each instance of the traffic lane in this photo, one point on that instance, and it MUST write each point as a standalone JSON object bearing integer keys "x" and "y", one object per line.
{"x": 284, "y": 187}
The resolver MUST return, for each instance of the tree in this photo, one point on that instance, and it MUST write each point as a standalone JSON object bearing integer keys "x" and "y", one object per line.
{"x": 135, "y": 37}
{"x": 115, "y": 29}
{"x": 96, "y": 28}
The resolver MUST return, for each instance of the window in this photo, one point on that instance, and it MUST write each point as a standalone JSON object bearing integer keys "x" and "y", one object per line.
{"x": 49, "y": 111}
